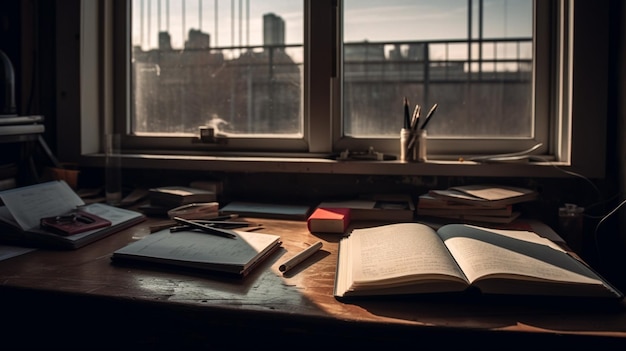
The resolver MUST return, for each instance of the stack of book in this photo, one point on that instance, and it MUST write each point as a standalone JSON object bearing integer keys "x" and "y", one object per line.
{"x": 377, "y": 207}
{"x": 174, "y": 196}
{"x": 475, "y": 203}
{"x": 162, "y": 199}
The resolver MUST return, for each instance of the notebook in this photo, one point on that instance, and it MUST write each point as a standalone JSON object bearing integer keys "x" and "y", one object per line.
{"x": 201, "y": 251}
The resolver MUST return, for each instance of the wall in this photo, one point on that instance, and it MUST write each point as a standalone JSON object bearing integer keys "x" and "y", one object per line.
{"x": 620, "y": 89}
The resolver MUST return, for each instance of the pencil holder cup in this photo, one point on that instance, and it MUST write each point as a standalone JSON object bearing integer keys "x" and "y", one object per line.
{"x": 412, "y": 145}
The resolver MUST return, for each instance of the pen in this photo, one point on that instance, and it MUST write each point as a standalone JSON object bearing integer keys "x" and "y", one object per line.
{"x": 169, "y": 224}
{"x": 429, "y": 115}
{"x": 214, "y": 224}
{"x": 206, "y": 228}
{"x": 303, "y": 255}
{"x": 218, "y": 222}
{"x": 407, "y": 117}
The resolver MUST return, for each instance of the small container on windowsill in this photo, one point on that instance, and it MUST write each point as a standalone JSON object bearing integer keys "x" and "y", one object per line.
{"x": 413, "y": 145}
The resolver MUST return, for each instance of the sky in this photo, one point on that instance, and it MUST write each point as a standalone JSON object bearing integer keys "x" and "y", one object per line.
{"x": 239, "y": 22}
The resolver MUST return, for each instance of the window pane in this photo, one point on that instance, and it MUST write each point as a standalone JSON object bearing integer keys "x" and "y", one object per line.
{"x": 473, "y": 58}
{"x": 235, "y": 66}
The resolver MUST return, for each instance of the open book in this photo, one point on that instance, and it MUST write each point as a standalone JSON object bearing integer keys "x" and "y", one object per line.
{"x": 405, "y": 258}
{"x": 24, "y": 208}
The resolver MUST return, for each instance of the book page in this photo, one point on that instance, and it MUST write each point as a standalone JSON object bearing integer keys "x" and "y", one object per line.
{"x": 483, "y": 252}
{"x": 29, "y": 204}
{"x": 492, "y": 192}
{"x": 455, "y": 195}
{"x": 397, "y": 253}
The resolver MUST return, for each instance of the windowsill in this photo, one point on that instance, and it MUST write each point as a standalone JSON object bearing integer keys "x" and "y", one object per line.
{"x": 320, "y": 165}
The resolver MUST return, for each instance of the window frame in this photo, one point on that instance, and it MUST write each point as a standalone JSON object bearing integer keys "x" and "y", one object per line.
{"x": 587, "y": 97}
{"x": 151, "y": 144}
{"x": 448, "y": 148}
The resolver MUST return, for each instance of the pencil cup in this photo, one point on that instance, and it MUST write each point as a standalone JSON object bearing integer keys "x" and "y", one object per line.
{"x": 113, "y": 170}
{"x": 412, "y": 145}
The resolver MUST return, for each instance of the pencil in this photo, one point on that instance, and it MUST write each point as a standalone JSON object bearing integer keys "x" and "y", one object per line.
{"x": 206, "y": 228}
{"x": 216, "y": 224}
{"x": 171, "y": 223}
{"x": 407, "y": 116}
{"x": 303, "y": 255}
{"x": 429, "y": 116}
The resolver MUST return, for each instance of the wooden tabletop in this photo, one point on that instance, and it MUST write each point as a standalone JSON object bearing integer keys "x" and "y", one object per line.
{"x": 48, "y": 287}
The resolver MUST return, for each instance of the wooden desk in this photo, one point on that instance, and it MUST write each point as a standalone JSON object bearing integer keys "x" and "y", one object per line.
{"x": 79, "y": 299}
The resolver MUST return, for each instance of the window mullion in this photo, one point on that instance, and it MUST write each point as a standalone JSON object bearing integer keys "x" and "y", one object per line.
{"x": 318, "y": 63}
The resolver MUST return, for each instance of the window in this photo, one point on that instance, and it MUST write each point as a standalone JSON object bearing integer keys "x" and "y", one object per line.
{"x": 238, "y": 68}
{"x": 235, "y": 67}
{"x": 503, "y": 79}
{"x": 474, "y": 59}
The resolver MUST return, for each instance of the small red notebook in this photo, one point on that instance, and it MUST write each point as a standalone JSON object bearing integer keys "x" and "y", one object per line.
{"x": 329, "y": 220}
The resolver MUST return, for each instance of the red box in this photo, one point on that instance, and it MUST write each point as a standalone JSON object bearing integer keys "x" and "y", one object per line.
{"x": 329, "y": 220}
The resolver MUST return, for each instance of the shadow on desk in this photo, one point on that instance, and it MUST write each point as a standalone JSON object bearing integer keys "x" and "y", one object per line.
{"x": 571, "y": 315}
{"x": 72, "y": 322}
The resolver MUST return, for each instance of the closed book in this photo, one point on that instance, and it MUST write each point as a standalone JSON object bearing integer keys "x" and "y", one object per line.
{"x": 174, "y": 196}
{"x": 476, "y": 218}
{"x": 486, "y": 195}
{"x": 215, "y": 186}
{"x": 506, "y": 211}
{"x": 427, "y": 201}
{"x": 201, "y": 251}
{"x": 329, "y": 220}
{"x": 267, "y": 210}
